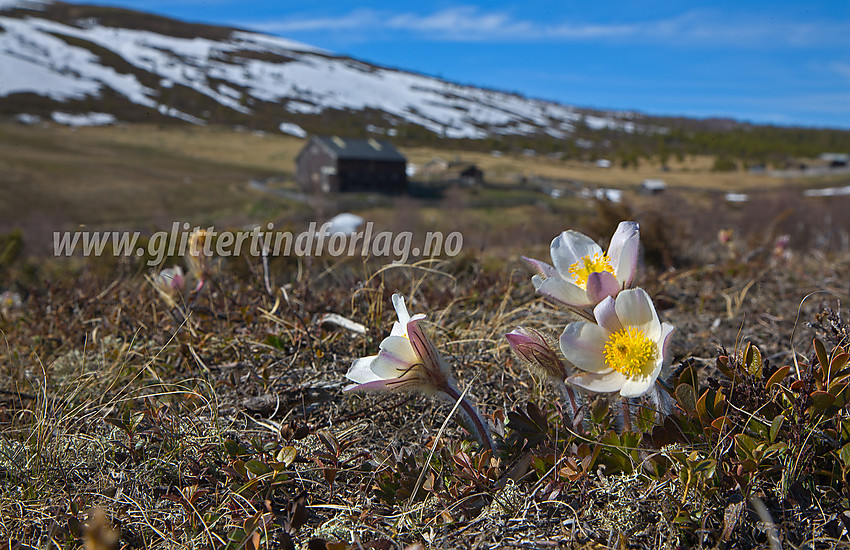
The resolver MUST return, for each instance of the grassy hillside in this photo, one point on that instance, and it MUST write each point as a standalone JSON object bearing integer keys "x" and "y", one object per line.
{"x": 147, "y": 177}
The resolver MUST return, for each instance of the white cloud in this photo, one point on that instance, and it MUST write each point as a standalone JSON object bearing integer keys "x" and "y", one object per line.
{"x": 840, "y": 68}
{"x": 473, "y": 23}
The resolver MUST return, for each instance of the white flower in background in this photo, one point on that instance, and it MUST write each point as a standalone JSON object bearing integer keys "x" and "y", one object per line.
{"x": 624, "y": 351}
{"x": 583, "y": 274}
{"x": 199, "y": 258}
{"x": 407, "y": 360}
{"x": 9, "y": 300}
{"x": 170, "y": 280}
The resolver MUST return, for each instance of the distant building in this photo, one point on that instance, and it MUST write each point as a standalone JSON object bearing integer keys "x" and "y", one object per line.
{"x": 456, "y": 172}
{"x": 333, "y": 164}
{"x": 835, "y": 160}
{"x": 468, "y": 174}
{"x": 652, "y": 186}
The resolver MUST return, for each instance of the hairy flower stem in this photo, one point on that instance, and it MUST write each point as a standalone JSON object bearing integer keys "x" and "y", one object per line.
{"x": 571, "y": 394}
{"x": 472, "y": 414}
{"x": 627, "y": 415}
{"x": 583, "y": 313}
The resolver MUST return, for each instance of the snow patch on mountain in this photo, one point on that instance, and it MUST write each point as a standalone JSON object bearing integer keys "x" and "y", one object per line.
{"x": 28, "y": 4}
{"x": 83, "y": 119}
{"x": 49, "y": 58}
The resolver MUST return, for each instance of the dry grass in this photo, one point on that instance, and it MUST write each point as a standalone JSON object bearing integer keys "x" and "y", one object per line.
{"x": 58, "y": 178}
{"x": 693, "y": 173}
{"x": 142, "y": 175}
{"x": 177, "y": 429}
{"x": 229, "y": 423}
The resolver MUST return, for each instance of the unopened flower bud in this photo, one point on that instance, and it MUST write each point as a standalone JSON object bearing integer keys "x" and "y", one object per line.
{"x": 532, "y": 346}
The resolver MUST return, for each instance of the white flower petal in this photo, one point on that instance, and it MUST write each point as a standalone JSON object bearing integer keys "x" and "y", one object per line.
{"x": 400, "y": 329}
{"x": 582, "y": 345}
{"x": 397, "y": 384}
{"x": 361, "y": 370}
{"x": 623, "y": 251}
{"x": 400, "y": 326}
{"x": 601, "y": 285}
{"x": 599, "y": 382}
{"x": 635, "y": 387}
{"x": 561, "y": 290}
{"x": 569, "y": 247}
{"x": 396, "y": 357}
{"x": 544, "y": 269}
{"x": 663, "y": 349}
{"x": 634, "y": 308}
{"x": 606, "y": 315}
{"x": 400, "y": 309}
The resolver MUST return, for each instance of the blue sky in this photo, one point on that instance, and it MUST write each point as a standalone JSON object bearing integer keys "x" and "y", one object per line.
{"x": 779, "y": 62}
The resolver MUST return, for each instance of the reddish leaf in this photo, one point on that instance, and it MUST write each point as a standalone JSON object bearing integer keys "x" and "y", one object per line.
{"x": 718, "y": 423}
{"x": 820, "y": 351}
{"x": 329, "y": 441}
{"x": 777, "y": 376}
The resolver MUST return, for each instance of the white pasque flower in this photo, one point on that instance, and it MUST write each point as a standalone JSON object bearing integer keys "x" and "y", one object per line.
{"x": 407, "y": 360}
{"x": 170, "y": 280}
{"x": 583, "y": 275}
{"x": 625, "y": 351}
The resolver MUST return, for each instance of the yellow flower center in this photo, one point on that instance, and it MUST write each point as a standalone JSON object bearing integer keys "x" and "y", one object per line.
{"x": 630, "y": 352}
{"x": 582, "y": 269}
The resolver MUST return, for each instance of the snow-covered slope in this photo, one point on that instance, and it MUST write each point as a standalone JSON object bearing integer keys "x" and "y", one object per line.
{"x": 102, "y": 59}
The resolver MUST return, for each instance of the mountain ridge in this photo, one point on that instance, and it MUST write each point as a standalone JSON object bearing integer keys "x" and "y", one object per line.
{"x": 79, "y": 64}
{"x": 142, "y": 66}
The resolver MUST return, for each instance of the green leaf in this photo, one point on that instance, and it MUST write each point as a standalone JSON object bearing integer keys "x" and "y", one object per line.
{"x": 820, "y": 351}
{"x": 688, "y": 376}
{"x": 276, "y": 341}
{"x": 745, "y": 445}
{"x": 136, "y": 420}
{"x": 719, "y": 422}
{"x": 687, "y": 397}
{"x": 821, "y": 400}
{"x": 599, "y": 410}
{"x": 329, "y": 441}
{"x": 706, "y": 466}
{"x": 723, "y": 366}
{"x": 257, "y": 468}
{"x": 120, "y": 424}
{"x": 837, "y": 386}
{"x": 234, "y": 449}
{"x": 753, "y": 361}
{"x": 239, "y": 468}
{"x": 844, "y": 455}
{"x": 775, "y": 426}
{"x": 776, "y": 448}
{"x": 839, "y": 361}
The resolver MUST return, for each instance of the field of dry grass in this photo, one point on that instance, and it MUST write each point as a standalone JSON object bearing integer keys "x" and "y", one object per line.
{"x": 219, "y": 420}
{"x": 138, "y": 418}
{"x": 137, "y": 175}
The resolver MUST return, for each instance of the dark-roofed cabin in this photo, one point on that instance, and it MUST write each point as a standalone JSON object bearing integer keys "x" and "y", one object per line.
{"x": 330, "y": 164}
